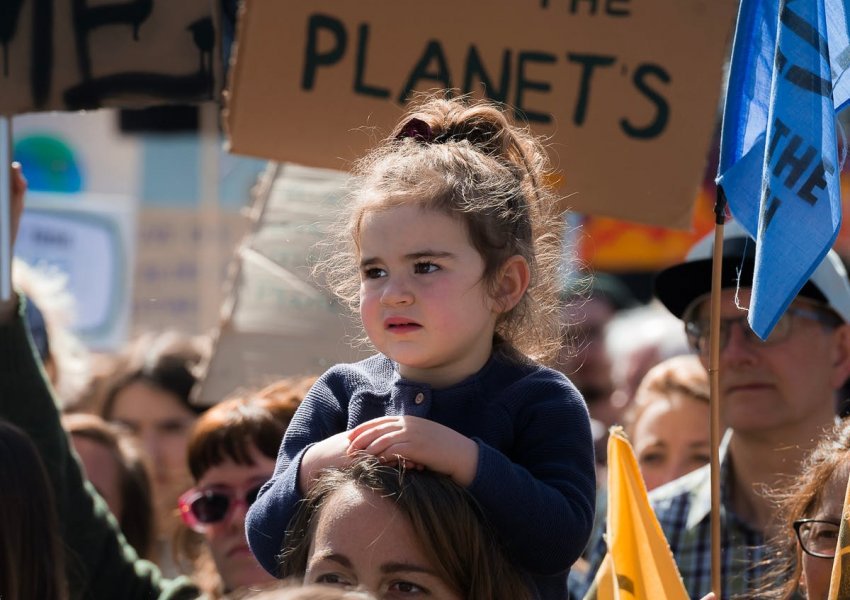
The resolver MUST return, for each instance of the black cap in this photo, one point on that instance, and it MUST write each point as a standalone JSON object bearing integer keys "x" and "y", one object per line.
{"x": 679, "y": 286}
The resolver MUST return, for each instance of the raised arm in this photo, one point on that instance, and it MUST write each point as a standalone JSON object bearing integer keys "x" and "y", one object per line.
{"x": 100, "y": 563}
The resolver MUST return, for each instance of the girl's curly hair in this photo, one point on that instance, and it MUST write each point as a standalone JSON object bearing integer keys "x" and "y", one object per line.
{"x": 480, "y": 167}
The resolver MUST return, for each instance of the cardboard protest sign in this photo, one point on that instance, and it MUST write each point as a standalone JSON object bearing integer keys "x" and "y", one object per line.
{"x": 64, "y": 55}
{"x": 619, "y": 86}
{"x": 276, "y": 321}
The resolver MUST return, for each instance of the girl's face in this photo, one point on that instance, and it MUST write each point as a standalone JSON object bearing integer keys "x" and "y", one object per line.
{"x": 226, "y": 539}
{"x": 817, "y": 571}
{"x": 362, "y": 540}
{"x": 161, "y": 424}
{"x": 670, "y": 437}
{"x": 423, "y": 301}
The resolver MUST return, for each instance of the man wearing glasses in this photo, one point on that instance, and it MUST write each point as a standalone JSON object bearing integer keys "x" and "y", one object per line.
{"x": 776, "y": 397}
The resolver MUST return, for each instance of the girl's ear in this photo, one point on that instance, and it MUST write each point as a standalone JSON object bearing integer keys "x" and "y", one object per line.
{"x": 513, "y": 280}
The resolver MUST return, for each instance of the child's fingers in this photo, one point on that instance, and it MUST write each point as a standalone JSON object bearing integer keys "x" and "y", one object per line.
{"x": 353, "y": 433}
{"x": 368, "y": 436}
{"x": 388, "y": 445}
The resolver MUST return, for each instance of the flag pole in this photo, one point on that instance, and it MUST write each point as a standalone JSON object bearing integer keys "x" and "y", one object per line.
{"x": 714, "y": 386}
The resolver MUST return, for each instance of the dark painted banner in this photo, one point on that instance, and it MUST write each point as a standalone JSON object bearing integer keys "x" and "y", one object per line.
{"x": 78, "y": 54}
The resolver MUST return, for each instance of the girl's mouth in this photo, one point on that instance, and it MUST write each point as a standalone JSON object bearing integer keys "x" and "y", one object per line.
{"x": 399, "y": 325}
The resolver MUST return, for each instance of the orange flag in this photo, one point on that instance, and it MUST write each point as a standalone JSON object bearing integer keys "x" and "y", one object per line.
{"x": 639, "y": 564}
{"x": 839, "y": 583}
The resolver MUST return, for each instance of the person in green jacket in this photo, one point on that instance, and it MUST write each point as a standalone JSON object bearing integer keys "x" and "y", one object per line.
{"x": 99, "y": 561}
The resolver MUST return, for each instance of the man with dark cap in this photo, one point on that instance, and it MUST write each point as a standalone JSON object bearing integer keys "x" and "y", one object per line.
{"x": 777, "y": 398}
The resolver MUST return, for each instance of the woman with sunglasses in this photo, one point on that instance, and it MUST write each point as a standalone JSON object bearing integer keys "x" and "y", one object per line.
{"x": 232, "y": 450}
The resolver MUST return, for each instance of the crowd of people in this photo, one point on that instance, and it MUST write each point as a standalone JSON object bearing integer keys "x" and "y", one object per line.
{"x": 454, "y": 463}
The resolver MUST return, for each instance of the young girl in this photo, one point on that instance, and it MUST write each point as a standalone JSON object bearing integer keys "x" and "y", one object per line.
{"x": 451, "y": 252}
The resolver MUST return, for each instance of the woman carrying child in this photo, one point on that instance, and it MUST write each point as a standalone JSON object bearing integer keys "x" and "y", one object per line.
{"x": 451, "y": 251}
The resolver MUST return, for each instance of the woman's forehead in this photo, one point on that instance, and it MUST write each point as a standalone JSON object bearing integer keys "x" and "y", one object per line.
{"x": 831, "y": 501}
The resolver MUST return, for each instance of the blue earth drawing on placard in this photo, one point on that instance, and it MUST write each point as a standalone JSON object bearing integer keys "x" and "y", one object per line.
{"x": 49, "y": 164}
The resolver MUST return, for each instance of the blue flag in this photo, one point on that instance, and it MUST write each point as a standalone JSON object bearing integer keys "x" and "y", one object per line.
{"x": 779, "y": 166}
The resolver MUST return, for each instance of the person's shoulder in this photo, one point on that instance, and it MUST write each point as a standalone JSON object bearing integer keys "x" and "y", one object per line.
{"x": 544, "y": 381}
{"x": 524, "y": 369}
{"x": 530, "y": 386}
{"x": 373, "y": 372}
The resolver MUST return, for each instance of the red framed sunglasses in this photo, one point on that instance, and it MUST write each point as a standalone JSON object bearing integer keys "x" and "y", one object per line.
{"x": 200, "y": 509}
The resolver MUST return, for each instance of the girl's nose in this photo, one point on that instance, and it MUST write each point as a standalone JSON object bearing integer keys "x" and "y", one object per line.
{"x": 396, "y": 293}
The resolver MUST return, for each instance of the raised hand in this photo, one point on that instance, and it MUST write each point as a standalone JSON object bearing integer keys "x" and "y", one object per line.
{"x": 19, "y": 189}
{"x": 16, "y": 208}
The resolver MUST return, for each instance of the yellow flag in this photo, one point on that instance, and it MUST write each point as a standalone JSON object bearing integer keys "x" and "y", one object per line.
{"x": 639, "y": 564}
{"x": 839, "y": 583}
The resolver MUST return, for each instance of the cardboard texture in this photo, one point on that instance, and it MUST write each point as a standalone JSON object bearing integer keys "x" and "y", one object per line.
{"x": 65, "y": 55}
{"x": 276, "y": 322}
{"x": 626, "y": 91}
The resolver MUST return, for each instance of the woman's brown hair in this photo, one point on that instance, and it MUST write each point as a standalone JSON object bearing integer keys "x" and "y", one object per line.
{"x": 229, "y": 430}
{"x": 800, "y": 501}
{"x": 682, "y": 374}
{"x": 451, "y": 528}
{"x": 167, "y": 361}
{"x": 32, "y": 563}
{"x": 136, "y": 520}
{"x": 471, "y": 161}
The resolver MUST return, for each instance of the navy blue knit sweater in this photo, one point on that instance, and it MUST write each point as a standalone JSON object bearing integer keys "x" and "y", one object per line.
{"x": 535, "y": 478}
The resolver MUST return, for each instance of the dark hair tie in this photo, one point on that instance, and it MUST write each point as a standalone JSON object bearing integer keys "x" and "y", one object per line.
{"x": 421, "y": 131}
{"x": 417, "y": 129}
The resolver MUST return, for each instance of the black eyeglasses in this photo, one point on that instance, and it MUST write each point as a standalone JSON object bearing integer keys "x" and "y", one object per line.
{"x": 817, "y": 537}
{"x": 201, "y": 508}
{"x": 698, "y": 330}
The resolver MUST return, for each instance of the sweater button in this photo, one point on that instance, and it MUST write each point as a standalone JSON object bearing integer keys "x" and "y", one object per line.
{"x": 420, "y": 398}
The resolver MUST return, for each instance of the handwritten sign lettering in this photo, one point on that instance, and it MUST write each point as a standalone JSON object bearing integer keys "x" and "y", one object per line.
{"x": 614, "y": 84}
{"x": 79, "y": 54}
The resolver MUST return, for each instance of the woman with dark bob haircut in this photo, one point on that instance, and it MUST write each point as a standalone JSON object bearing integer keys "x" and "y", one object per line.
{"x": 31, "y": 559}
{"x": 231, "y": 452}
{"x": 390, "y": 531}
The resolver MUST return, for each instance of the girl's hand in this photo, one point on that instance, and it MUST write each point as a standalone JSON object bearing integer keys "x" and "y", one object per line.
{"x": 420, "y": 441}
{"x": 16, "y": 208}
{"x": 330, "y": 452}
{"x": 19, "y": 189}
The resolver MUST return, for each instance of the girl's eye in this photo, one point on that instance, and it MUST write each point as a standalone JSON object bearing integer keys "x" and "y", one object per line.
{"x": 333, "y": 579}
{"x": 374, "y": 273}
{"x": 422, "y": 268}
{"x": 407, "y": 587}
